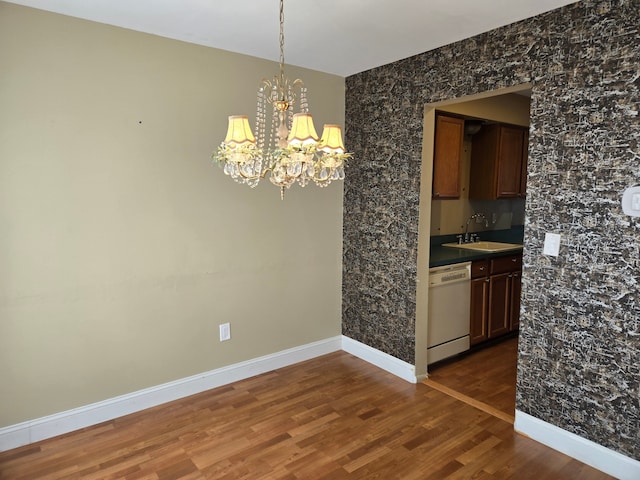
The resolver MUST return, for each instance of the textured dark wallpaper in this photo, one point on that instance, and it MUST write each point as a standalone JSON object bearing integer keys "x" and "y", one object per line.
{"x": 579, "y": 353}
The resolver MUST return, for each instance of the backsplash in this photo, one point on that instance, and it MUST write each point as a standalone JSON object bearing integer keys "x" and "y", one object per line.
{"x": 579, "y": 351}
{"x": 451, "y": 216}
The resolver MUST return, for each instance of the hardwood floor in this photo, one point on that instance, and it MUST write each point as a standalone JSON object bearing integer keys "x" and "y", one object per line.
{"x": 332, "y": 417}
{"x": 487, "y": 375}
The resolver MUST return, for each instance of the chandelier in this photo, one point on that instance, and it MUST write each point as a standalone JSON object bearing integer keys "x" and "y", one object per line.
{"x": 287, "y": 148}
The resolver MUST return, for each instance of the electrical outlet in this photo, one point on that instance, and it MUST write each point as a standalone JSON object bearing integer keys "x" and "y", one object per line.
{"x": 225, "y": 332}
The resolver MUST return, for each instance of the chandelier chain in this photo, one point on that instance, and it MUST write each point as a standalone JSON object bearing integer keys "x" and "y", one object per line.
{"x": 282, "y": 42}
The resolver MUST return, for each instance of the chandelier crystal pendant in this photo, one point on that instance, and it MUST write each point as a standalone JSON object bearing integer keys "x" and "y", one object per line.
{"x": 287, "y": 147}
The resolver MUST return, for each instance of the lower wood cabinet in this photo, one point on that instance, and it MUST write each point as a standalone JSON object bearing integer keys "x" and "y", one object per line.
{"x": 495, "y": 297}
{"x": 514, "y": 305}
{"x": 479, "y": 301}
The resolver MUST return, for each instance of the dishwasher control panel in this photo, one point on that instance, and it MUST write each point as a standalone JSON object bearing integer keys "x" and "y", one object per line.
{"x": 458, "y": 272}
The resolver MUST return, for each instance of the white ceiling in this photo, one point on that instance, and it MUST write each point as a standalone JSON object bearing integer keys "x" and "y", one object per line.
{"x": 342, "y": 37}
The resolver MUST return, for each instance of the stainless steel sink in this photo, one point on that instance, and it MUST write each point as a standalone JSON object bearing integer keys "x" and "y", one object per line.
{"x": 483, "y": 246}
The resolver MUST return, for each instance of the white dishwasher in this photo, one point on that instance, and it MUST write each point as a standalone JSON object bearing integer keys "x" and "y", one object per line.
{"x": 449, "y": 323}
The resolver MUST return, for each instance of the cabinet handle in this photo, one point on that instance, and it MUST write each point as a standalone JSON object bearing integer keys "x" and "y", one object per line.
{"x": 486, "y": 280}
{"x": 481, "y": 268}
{"x": 514, "y": 260}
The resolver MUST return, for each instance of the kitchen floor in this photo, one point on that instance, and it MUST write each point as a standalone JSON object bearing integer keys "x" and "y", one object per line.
{"x": 486, "y": 377}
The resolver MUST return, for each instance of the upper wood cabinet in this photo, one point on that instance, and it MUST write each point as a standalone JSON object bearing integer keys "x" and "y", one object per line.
{"x": 498, "y": 162}
{"x": 447, "y": 156}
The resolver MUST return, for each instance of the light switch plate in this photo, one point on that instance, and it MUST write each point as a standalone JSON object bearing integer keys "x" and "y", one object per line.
{"x": 551, "y": 244}
{"x": 631, "y": 201}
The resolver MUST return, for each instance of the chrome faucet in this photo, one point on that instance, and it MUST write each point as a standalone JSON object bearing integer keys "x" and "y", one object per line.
{"x": 478, "y": 217}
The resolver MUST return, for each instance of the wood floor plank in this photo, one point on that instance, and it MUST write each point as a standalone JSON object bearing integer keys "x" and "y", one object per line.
{"x": 334, "y": 417}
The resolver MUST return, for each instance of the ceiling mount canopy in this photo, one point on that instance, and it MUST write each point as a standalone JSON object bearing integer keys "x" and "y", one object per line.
{"x": 287, "y": 148}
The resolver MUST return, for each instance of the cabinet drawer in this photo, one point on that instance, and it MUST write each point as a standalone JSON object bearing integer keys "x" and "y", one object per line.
{"x": 508, "y": 263}
{"x": 479, "y": 268}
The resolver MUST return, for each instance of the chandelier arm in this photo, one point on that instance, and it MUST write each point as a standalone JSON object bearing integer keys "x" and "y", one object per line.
{"x": 253, "y": 177}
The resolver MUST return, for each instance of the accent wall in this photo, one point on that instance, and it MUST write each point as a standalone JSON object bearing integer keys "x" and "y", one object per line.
{"x": 579, "y": 349}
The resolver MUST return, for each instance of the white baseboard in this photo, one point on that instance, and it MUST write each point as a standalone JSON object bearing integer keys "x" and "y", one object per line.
{"x": 391, "y": 364}
{"x": 597, "y": 456}
{"x": 50, "y": 426}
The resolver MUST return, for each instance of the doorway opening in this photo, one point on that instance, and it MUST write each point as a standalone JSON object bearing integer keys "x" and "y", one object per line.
{"x": 484, "y": 375}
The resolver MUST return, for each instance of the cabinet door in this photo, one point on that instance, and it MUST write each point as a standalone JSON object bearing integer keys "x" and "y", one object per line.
{"x": 516, "y": 290}
{"x": 482, "y": 175}
{"x": 447, "y": 155}
{"x": 479, "y": 310}
{"x": 499, "y": 296}
{"x": 510, "y": 151}
{"x": 525, "y": 160}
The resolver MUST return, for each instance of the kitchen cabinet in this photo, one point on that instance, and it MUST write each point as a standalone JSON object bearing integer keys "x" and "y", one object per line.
{"x": 447, "y": 155}
{"x": 479, "y": 301}
{"x": 514, "y": 302}
{"x": 495, "y": 297}
{"x": 498, "y": 162}
{"x": 525, "y": 159}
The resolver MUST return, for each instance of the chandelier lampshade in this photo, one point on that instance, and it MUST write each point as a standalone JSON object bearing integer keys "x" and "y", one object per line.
{"x": 331, "y": 141}
{"x": 287, "y": 147}
{"x": 239, "y": 132}
{"x": 303, "y": 132}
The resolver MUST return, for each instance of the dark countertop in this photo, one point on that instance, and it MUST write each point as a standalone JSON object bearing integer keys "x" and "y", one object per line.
{"x": 449, "y": 255}
{"x": 440, "y": 255}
